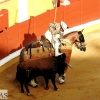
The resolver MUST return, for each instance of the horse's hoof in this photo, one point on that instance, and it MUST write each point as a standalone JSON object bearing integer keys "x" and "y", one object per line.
{"x": 28, "y": 94}
{"x": 33, "y": 83}
{"x": 35, "y": 86}
{"x": 61, "y": 81}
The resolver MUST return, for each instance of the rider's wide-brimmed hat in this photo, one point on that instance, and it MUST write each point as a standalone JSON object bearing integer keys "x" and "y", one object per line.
{"x": 63, "y": 25}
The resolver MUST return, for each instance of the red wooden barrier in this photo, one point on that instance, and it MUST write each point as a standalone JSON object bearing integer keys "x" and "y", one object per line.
{"x": 3, "y": 45}
{"x": 26, "y": 32}
{"x": 3, "y": 33}
{"x": 3, "y": 19}
{"x": 72, "y": 1}
{"x": 41, "y": 24}
{"x": 99, "y": 8}
{"x": 89, "y": 10}
{"x": 17, "y": 36}
{"x": 13, "y": 38}
{"x": 72, "y": 14}
{"x": 23, "y": 30}
{"x": 57, "y": 15}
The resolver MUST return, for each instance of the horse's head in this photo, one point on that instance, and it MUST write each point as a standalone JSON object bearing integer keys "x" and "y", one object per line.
{"x": 80, "y": 41}
{"x": 77, "y": 38}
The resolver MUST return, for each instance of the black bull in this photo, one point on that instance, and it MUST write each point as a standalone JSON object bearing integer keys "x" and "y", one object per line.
{"x": 46, "y": 67}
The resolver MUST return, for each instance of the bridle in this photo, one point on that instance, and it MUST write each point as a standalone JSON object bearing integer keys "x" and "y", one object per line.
{"x": 81, "y": 41}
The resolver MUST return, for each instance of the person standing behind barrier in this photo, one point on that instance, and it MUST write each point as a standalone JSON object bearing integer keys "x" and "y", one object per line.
{"x": 64, "y": 2}
{"x": 57, "y": 3}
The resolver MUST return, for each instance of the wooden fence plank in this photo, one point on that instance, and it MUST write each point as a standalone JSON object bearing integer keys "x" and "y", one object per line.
{"x": 90, "y": 14}
{"x": 72, "y": 14}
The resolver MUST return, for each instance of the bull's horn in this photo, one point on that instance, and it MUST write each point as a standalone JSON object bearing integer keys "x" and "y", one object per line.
{"x": 69, "y": 65}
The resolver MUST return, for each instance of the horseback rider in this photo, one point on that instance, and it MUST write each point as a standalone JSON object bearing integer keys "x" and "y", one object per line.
{"x": 57, "y": 32}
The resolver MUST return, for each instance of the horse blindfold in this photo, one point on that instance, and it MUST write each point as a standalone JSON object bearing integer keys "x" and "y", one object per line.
{"x": 81, "y": 38}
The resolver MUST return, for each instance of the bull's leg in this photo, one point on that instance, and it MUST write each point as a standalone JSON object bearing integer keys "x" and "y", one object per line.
{"x": 46, "y": 80}
{"x": 53, "y": 82}
{"x": 26, "y": 86}
{"x": 33, "y": 83}
{"x": 22, "y": 90}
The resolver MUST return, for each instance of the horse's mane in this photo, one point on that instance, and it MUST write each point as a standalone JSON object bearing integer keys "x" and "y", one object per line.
{"x": 70, "y": 33}
{"x": 74, "y": 32}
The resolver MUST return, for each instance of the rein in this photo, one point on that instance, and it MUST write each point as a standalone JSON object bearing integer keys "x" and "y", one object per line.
{"x": 63, "y": 42}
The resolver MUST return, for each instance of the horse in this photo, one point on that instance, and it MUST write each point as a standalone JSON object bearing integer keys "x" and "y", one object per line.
{"x": 73, "y": 38}
{"x": 67, "y": 41}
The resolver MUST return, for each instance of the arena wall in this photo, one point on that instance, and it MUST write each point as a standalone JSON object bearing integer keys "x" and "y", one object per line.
{"x": 77, "y": 14}
{"x": 35, "y": 7}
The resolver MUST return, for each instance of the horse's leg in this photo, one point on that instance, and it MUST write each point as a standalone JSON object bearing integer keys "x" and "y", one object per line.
{"x": 43, "y": 48}
{"x": 50, "y": 49}
{"x": 33, "y": 83}
{"x": 64, "y": 75}
{"x": 61, "y": 78}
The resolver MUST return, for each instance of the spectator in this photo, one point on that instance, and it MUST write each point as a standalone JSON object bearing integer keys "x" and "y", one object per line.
{"x": 57, "y": 3}
{"x": 64, "y": 2}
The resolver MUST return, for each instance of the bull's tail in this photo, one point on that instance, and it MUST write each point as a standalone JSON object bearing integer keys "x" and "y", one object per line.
{"x": 69, "y": 65}
{"x": 30, "y": 53}
{"x": 18, "y": 73}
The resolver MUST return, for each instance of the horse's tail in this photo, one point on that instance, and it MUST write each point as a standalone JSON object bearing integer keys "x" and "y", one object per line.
{"x": 21, "y": 56}
{"x": 29, "y": 46}
{"x": 30, "y": 53}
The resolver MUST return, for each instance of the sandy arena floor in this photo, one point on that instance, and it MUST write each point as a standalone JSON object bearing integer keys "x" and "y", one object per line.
{"x": 82, "y": 81}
